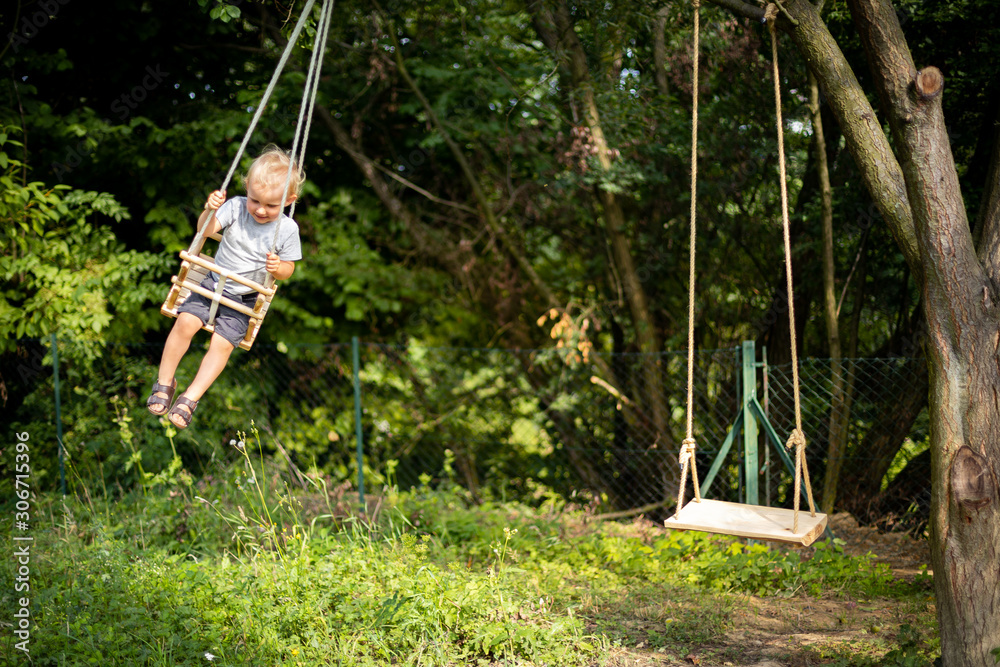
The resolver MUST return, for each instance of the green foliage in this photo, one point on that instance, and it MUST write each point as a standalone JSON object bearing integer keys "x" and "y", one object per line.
{"x": 249, "y": 566}
{"x": 910, "y": 650}
{"x": 708, "y": 562}
{"x": 362, "y": 594}
{"x": 352, "y": 275}
{"x": 240, "y": 567}
{"x": 760, "y": 570}
{"x": 424, "y": 261}
{"x": 225, "y": 12}
{"x": 62, "y": 272}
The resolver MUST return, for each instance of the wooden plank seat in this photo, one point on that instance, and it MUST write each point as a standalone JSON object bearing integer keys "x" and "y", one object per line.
{"x": 770, "y": 524}
{"x": 194, "y": 269}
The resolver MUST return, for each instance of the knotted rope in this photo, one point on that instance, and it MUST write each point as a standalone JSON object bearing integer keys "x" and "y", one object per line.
{"x": 688, "y": 448}
{"x": 797, "y": 439}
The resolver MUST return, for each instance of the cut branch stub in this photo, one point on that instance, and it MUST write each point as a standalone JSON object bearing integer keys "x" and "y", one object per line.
{"x": 929, "y": 83}
{"x": 972, "y": 481}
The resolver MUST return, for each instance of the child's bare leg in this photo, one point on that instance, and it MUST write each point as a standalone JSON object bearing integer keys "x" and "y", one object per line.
{"x": 211, "y": 367}
{"x": 178, "y": 342}
{"x": 184, "y": 329}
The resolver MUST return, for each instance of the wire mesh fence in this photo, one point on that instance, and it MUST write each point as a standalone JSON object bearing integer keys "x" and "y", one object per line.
{"x": 501, "y": 423}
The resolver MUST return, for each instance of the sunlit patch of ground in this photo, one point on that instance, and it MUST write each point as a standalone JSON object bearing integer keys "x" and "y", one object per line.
{"x": 798, "y": 631}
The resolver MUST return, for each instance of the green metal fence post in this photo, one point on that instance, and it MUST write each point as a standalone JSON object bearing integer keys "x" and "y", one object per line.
{"x": 766, "y": 468}
{"x": 750, "y": 433}
{"x": 355, "y": 356}
{"x": 59, "y": 430}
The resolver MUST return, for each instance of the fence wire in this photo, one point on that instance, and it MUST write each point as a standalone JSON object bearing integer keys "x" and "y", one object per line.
{"x": 520, "y": 424}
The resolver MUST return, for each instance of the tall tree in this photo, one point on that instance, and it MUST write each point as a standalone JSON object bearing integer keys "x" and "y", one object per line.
{"x": 840, "y": 408}
{"x": 914, "y": 181}
{"x": 556, "y": 28}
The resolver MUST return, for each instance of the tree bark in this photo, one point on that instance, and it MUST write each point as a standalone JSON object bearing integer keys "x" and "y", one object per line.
{"x": 837, "y": 439}
{"x": 660, "y": 51}
{"x": 962, "y": 321}
{"x": 867, "y": 143}
{"x": 920, "y": 198}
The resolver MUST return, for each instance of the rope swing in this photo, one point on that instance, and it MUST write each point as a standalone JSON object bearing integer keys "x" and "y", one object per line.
{"x": 688, "y": 446}
{"x": 797, "y": 439}
{"x": 195, "y": 264}
{"x": 757, "y": 522}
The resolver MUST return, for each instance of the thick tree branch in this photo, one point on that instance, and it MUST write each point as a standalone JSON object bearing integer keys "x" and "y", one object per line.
{"x": 911, "y": 101}
{"x": 961, "y": 314}
{"x": 740, "y": 8}
{"x": 862, "y": 131}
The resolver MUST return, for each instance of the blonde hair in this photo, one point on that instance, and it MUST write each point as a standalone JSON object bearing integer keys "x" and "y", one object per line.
{"x": 270, "y": 169}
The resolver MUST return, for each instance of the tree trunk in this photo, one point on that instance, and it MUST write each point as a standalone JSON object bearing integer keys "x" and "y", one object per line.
{"x": 554, "y": 25}
{"x": 919, "y": 196}
{"x": 660, "y": 51}
{"x": 962, "y": 320}
{"x": 901, "y": 403}
{"x": 839, "y": 411}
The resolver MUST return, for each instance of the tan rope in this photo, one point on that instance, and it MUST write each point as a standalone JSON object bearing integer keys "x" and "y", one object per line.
{"x": 687, "y": 455}
{"x": 687, "y": 459}
{"x": 797, "y": 439}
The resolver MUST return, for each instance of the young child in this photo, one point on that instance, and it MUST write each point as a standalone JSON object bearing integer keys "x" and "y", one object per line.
{"x": 247, "y": 225}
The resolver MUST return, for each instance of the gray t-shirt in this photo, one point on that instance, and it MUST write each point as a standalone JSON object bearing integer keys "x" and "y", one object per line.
{"x": 246, "y": 242}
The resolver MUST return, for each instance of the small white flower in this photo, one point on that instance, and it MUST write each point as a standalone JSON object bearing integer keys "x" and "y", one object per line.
{"x": 240, "y": 444}
{"x": 209, "y": 656}
{"x": 232, "y": 442}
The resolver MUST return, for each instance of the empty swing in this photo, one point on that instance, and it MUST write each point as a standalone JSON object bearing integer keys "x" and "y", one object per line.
{"x": 196, "y": 263}
{"x": 716, "y": 516}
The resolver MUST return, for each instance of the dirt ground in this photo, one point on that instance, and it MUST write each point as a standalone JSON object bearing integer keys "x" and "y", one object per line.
{"x": 801, "y": 631}
{"x": 904, "y": 554}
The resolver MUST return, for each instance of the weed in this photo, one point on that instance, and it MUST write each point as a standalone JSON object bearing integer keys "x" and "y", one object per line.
{"x": 232, "y": 566}
{"x": 911, "y": 650}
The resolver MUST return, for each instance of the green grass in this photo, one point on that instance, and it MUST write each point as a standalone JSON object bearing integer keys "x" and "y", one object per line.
{"x": 239, "y": 569}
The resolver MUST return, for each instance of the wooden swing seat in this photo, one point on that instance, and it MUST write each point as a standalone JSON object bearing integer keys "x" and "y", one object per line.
{"x": 769, "y": 524}
{"x": 194, "y": 269}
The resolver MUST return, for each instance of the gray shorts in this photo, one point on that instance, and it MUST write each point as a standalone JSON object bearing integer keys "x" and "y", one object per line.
{"x": 229, "y": 324}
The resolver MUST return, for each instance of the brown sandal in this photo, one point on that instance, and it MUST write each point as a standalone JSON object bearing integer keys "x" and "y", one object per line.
{"x": 185, "y": 417}
{"x": 160, "y": 400}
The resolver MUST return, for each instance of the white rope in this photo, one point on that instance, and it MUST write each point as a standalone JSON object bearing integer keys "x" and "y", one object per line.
{"x": 304, "y": 122}
{"x": 195, "y": 244}
{"x": 219, "y": 288}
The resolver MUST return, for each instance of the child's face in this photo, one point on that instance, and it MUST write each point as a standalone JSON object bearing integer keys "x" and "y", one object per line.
{"x": 264, "y": 204}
